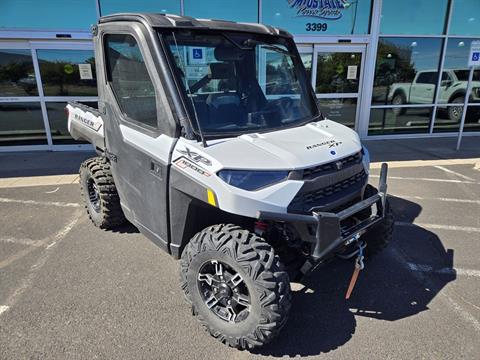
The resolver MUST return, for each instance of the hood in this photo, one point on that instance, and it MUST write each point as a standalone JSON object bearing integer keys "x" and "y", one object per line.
{"x": 295, "y": 148}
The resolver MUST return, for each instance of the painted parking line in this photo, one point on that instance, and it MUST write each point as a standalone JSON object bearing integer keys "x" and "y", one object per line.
{"x": 3, "y": 308}
{"x": 428, "y": 179}
{"x": 34, "y": 202}
{"x": 25, "y": 242}
{"x": 449, "y": 171}
{"x": 463, "y": 201}
{"x": 444, "y": 271}
{"x": 439, "y": 226}
{"x": 423, "y": 163}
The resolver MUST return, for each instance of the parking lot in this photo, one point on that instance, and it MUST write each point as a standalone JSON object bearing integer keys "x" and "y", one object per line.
{"x": 70, "y": 290}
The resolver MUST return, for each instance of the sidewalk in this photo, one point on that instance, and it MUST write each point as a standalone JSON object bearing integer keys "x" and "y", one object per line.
{"x": 58, "y": 168}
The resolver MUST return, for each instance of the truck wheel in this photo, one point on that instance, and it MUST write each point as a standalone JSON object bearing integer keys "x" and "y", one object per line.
{"x": 378, "y": 237}
{"x": 455, "y": 112}
{"x": 100, "y": 194}
{"x": 236, "y": 286}
{"x": 399, "y": 99}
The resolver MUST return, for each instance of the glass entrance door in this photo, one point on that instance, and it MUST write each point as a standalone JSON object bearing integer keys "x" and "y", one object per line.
{"x": 337, "y": 73}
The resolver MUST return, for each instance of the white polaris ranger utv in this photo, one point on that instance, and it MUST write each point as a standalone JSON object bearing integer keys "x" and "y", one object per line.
{"x": 225, "y": 162}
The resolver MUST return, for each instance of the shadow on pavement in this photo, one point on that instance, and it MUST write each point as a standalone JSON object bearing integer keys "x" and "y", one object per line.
{"x": 321, "y": 319}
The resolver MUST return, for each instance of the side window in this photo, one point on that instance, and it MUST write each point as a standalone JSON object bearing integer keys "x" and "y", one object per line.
{"x": 426, "y": 78}
{"x": 128, "y": 76}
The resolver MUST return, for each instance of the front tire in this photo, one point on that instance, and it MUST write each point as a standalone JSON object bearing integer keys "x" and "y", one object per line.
{"x": 236, "y": 286}
{"x": 100, "y": 194}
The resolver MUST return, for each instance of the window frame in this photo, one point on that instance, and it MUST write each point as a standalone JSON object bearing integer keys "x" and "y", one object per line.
{"x": 125, "y": 119}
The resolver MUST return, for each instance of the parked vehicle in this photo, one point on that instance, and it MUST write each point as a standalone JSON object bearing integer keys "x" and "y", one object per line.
{"x": 247, "y": 189}
{"x": 421, "y": 90}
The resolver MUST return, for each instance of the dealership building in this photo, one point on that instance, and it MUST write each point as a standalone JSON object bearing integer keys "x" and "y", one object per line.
{"x": 375, "y": 65}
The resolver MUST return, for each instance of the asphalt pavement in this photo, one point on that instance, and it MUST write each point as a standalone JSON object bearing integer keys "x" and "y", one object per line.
{"x": 71, "y": 291}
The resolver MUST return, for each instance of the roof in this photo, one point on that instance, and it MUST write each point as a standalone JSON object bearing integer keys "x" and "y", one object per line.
{"x": 187, "y": 22}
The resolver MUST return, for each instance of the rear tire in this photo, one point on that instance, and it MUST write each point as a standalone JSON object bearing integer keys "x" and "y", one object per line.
{"x": 100, "y": 194}
{"x": 455, "y": 112}
{"x": 378, "y": 237}
{"x": 263, "y": 283}
{"x": 399, "y": 98}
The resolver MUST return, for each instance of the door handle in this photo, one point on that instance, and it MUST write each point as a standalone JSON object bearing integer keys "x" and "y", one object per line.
{"x": 156, "y": 169}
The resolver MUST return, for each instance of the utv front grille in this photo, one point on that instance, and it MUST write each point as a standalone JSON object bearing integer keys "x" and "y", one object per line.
{"x": 329, "y": 196}
{"x": 332, "y": 167}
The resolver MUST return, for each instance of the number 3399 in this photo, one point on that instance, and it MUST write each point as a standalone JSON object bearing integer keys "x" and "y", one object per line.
{"x": 316, "y": 26}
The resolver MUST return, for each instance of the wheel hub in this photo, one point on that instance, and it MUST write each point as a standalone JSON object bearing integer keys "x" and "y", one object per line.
{"x": 224, "y": 291}
{"x": 93, "y": 194}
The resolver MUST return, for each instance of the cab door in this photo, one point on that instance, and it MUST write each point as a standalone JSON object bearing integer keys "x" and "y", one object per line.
{"x": 423, "y": 88}
{"x": 137, "y": 128}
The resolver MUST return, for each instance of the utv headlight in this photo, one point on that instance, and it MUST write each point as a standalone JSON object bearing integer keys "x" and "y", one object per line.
{"x": 252, "y": 180}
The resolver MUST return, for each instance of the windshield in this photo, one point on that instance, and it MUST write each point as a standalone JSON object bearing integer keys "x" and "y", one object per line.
{"x": 238, "y": 83}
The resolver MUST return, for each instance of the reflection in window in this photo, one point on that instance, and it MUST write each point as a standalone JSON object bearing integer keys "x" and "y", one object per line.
{"x": 342, "y": 111}
{"x": 21, "y": 124}
{"x": 330, "y": 17}
{"x": 338, "y": 72}
{"x": 449, "y": 117}
{"x": 17, "y": 76}
{"x": 465, "y": 18}
{"x": 280, "y": 75}
{"x": 455, "y": 74}
{"x": 234, "y": 10}
{"x": 58, "y": 123}
{"x": 399, "y": 121}
{"x": 155, "y": 6}
{"x": 307, "y": 62}
{"x": 415, "y": 17}
{"x": 406, "y": 71}
{"x": 67, "y": 72}
{"x": 129, "y": 78}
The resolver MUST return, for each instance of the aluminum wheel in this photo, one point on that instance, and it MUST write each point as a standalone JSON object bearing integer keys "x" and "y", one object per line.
{"x": 224, "y": 291}
{"x": 93, "y": 194}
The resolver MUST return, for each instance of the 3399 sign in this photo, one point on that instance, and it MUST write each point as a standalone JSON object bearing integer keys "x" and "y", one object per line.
{"x": 316, "y": 26}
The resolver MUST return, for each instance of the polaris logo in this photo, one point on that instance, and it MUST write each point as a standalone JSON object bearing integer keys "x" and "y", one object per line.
{"x": 339, "y": 165}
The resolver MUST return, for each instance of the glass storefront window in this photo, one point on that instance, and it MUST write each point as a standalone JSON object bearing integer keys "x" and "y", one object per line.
{"x": 333, "y": 72}
{"x": 455, "y": 74}
{"x": 413, "y": 17}
{"x": 399, "y": 121}
{"x": 318, "y": 17}
{"x": 156, "y": 6}
{"x": 21, "y": 123}
{"x": 307, "y": 58}
{"x": 48, "y": 15}
{"x": 17, "y": 75}
{"x": 342, "y": 111}
{"x": 58, "y": 123}
{"x": 449, "y": 117}
{"x": 234, "y": 10}
{"x": 67, "y": 72}
{"x": 465, "y": 18}
{"x": 406, "y": 70}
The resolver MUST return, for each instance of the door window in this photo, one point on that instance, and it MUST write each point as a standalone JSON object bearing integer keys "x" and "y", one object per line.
{"x": 129, "y": 79}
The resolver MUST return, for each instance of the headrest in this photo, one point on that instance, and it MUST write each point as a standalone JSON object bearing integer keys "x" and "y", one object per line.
{"x": 221, "y": 71}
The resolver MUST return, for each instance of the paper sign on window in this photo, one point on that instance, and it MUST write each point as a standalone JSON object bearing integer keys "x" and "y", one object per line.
{"x": 352, "y": 72}
{"x": 85, "y": 71}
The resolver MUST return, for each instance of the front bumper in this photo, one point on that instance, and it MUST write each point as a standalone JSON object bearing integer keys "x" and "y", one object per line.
{"x": 329, "y": 234}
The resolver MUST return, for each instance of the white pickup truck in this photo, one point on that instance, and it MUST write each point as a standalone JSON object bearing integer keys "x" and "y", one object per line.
{"x": 422, "y": 89}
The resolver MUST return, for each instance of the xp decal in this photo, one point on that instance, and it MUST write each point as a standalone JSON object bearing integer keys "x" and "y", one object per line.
{"x": 195, "y": 157}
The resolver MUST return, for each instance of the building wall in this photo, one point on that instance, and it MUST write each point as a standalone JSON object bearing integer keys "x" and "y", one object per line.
{"x": 374, "y": 63}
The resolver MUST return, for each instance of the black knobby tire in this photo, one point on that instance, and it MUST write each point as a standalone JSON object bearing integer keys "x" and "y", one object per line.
{"x": 100, "y": 194}
{"x": 378, "y": 237}
{"x": 265, "y": 278}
